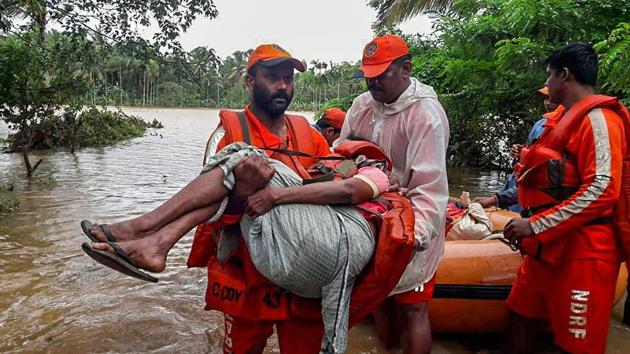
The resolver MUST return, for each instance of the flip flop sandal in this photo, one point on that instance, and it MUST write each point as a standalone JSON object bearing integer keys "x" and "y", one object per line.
{"x": 86, "y": 226}
{"x": 119, "y": 261}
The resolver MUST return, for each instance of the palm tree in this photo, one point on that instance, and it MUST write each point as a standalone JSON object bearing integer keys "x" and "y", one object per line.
{"x": 203, "y": 62}
{"x": 34, "y": 10}
{"x": 235, "y": 65}
{"x": 396, "y": 11}
{"x": 113, "y": 67}
{"x": 97, "y": 73}
{"x": 233, "y": 69}
{"x": 153, "y": 71}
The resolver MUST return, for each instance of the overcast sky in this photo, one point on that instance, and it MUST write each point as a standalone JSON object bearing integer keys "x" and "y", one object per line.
{"x": 329, "y": 30}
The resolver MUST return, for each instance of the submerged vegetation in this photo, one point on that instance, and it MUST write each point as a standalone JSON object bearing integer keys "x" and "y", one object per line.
{"x": 73, "y": 129}
{"x": 7, "y": 202}
{"x": 7, "y": 205}
{"x": 95, "y": 56}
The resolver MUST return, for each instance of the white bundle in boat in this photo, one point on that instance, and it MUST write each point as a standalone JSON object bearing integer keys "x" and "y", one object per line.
{"x": 474, "y": 225}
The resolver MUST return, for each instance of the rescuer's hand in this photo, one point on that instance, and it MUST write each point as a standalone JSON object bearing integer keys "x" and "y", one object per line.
{"x": 517, "y": 229}
{"x": 486, "y": 202}
{"x": 260, "y": 202}
{"x": 251, "y": 174}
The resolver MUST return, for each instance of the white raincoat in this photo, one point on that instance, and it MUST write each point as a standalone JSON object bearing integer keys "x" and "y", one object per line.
{"x": 414, "y": 132}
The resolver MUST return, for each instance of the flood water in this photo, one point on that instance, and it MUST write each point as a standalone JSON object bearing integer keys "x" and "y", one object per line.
{"x": 53, "y": 298}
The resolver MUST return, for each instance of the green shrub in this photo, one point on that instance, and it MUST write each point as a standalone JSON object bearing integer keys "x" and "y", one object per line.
{"x": 92, "y": 127}
{"x": 7, "y": 202}
{"x": 98, "y": 128}
{"x": 343, "y": 103}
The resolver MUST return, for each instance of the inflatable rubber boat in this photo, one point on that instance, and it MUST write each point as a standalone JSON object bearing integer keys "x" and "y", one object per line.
{"x": 473, "y": 280}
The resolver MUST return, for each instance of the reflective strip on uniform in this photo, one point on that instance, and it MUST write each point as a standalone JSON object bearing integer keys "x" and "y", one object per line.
{"x": 596, "y": 188}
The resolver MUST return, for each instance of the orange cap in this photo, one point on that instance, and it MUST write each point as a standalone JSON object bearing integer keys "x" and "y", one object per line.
{"x": 335, "y": 116}
{"x": 272, "y": 55}
{"x": 380, "y": 53}
{"x": 544, "y": 91}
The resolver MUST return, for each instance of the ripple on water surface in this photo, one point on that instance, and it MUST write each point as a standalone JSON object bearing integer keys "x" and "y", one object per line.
{"x": 53, "y": 297}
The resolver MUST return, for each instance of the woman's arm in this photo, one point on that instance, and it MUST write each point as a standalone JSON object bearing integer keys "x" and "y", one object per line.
{"x": 349, "y": 191}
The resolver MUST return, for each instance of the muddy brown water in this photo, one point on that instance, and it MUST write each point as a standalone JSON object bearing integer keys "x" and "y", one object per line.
{"x": 54, "y": 299}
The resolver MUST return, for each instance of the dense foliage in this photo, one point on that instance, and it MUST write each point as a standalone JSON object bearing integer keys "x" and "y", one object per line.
{"x": 615, "y": 62}
{"x": 483, "y": 60}
{"x": 134, "y": 74}
{"x": 43, "y": 73}
{"x": 117, "y": 20}
{"x": 37, "y": 81}
{"x": 485, "y": 64}
{"x": 91, "y": 127}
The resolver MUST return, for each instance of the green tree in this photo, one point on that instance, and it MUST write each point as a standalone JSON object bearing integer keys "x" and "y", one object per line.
{"x": 40, "y": 78}
{"x": 390, "y": 12}
{"x": 615, "y": 62}
{"x": 485, "y": 63}
{"x": 36, "y": 82}
{"x": 115, "y": 19}
{"x": 204, "y": 63}
{"x": 173, "y": 94}
{"x": 233, "y": 71}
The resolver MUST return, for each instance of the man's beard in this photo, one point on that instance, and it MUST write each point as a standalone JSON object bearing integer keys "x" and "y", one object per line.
{"x": 264, "y": 100}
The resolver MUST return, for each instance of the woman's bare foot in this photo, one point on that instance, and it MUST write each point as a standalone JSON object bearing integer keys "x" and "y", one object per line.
{"x": 121, "y": 231}
{"x": 144, "y": 252}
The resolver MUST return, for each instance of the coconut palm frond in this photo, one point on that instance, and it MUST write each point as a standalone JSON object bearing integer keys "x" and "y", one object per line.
{"x": 397, "y": 11}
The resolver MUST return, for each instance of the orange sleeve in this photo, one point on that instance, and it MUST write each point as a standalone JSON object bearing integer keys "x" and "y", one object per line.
{"x": 600, "y": 144}
{"x": 320, "y": 144}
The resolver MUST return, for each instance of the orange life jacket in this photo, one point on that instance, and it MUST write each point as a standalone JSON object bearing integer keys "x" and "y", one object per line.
{"x": 395, "y": 243}
{"x": 237, "y": 128}
{"x": 395, "y": 238}
{"x": 237, "y": 288}
{"x": 546, "y": 175}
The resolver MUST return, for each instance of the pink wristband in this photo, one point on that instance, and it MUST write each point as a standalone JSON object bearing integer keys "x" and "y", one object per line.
{"x": 375, "y": 175}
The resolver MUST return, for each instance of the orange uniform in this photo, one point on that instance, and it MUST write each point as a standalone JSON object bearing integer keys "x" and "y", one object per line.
{"x": 261, "y": 137}
{"x": 572, "y": 262}
{"x": 245, "y": 332}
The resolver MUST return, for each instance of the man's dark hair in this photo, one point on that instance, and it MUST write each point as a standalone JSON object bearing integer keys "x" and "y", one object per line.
{"x": 324, "y": 123}
{"x": 579, "y": 58}
{"x": 252, "y": 71}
